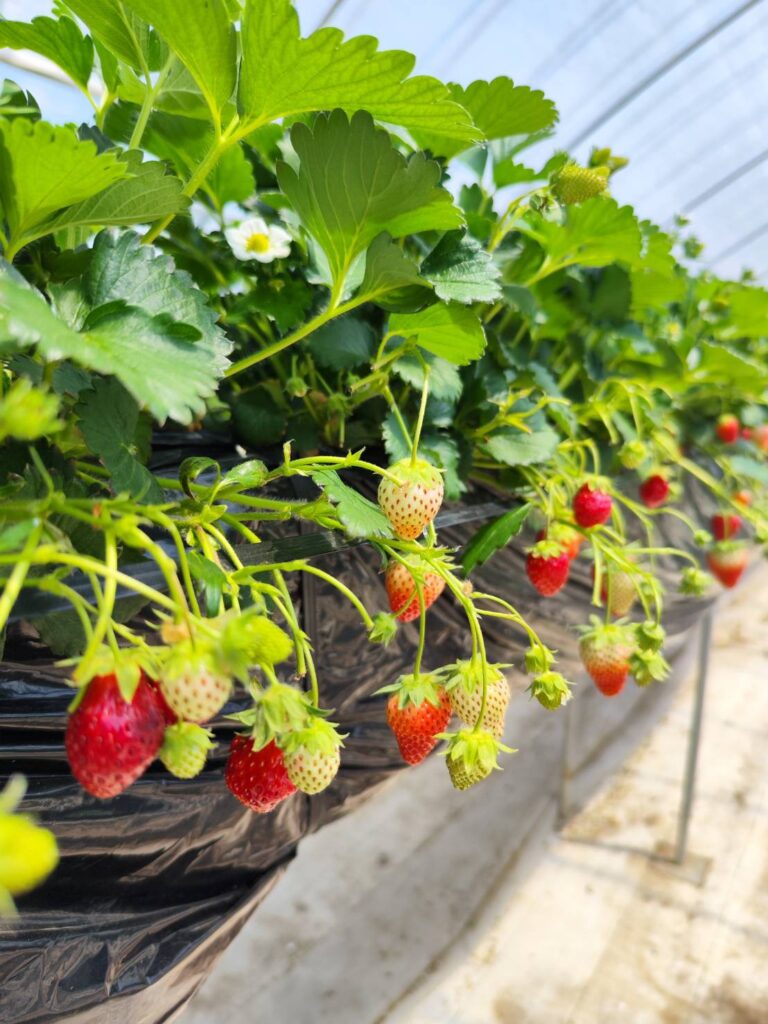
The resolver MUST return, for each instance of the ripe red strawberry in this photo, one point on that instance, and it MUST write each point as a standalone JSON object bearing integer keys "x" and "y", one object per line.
{"x": 654, "y": 490}
{"x": 548, "y": 566}
{"x": 417, "y": 710}
{"x": 570, "y": 540}
{"x": 746, "y": 433}
{"x": 725, "y": 525}
{"x": 192, "y": 684}
{"x": 728, "y": 560}
{"x": 411, "y": 500}
{"x": 591, "y": 507}
{"x": 727, "y": 428}
{"x": 110, "y": 741}
{"x": 605, "y": 652}
{"x": 401, "y": 590}
{"x": 257, "y": 777}
{"x": 312, "y": 756}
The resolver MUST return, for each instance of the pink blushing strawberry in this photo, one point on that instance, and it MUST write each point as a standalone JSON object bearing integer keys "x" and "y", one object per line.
{"x": 401, "y": 590}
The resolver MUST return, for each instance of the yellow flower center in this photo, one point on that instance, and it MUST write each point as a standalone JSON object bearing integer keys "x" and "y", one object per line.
{"x": 257, "y": 242}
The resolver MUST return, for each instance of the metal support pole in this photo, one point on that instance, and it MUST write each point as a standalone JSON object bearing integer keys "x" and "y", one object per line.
{"x": 694, "y": 741}
{"x": 564, "y": 801}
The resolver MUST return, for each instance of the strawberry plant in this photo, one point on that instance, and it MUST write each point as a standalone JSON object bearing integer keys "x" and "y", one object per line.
{"x": 260, "y": 241}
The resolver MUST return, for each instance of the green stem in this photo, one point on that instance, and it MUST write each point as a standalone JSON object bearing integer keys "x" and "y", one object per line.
{"x": 420, "y": 420}
{"x": 19, "y": 574}
{"x": 291, "y": 339}
{"x": 422, "y": 630}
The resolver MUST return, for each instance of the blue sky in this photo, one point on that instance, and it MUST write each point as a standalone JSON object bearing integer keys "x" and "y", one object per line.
{"x": 686, "y": 132}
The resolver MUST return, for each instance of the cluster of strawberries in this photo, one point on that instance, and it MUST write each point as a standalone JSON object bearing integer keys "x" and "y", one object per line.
{"x": 130, "y": 713}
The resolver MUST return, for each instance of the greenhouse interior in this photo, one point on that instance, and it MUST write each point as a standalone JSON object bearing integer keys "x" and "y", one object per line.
{"x": 383, "y": 512}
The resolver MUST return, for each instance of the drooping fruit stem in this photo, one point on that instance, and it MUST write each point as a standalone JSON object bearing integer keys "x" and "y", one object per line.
{"x": 420, "y": 420}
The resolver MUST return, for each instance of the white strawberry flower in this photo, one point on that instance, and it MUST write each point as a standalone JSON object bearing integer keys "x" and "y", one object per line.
{"x": 254, "y": 239}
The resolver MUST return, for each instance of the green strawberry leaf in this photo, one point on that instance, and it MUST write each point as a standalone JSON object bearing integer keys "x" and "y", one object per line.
{"x": 283, "y": 75}
{"x": 43, "y": 169}
{"x": 391, "y": 278}
{"x": 361, "y": 518}
{"x": 117, "y": 28}
{"x": 748, "y": 313}
{"x": 515, "y": 448}
{"x": 202, "y": 36}
{"x": 121, "y": 269}
{"x": 452, "y": 332}
{"x": 109, "y": 420}
{"x": 352, "y": 184}
{"x": 153, "y": 357}
{"x": 344, "y": 344}
{"x": 461, "y": 271}
{"x": 743, "y": 465}
{"x": 14, "y": 102}
{"x": 499, "y": 109}
{"x": 149, "y": 193}
{"x": 493, "y": 536}
{"x": 58, "y": 39}
{"x": 593, "y": 233}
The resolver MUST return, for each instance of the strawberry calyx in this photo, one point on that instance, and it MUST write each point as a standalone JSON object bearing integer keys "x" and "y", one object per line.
{"x": 471, "y": 756}
{"x": 650, "y": 636}
{"x": 249, "y": 638}
{"x": 404, "y": 471}
{"x": 415, "y": 689}
{"x": 278, "y": 710}
{"x": 538, "y": 659}
{"x": 468, "y": 674}
{"x": 383, "y": 629}
{"x": 185, "y": 749}
{"x": 694, "y": 582}
{"x": 648, "y": 666}
{"x": 319, "y": 737}
{"x": 551, "y": 690}
{"x": 128, "y": 666}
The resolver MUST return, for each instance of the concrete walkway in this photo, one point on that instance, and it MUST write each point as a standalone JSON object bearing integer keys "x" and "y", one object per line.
{"x": 427, "y": 907}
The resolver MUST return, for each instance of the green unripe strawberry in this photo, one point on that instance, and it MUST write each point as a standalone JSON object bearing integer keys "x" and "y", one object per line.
{"x": 632, "y": 454}
{"x": 28, "y": 853}
{"x": 464, "y": 684}
{"x": 185, "y": 749}
{"x": 574, "y": 184}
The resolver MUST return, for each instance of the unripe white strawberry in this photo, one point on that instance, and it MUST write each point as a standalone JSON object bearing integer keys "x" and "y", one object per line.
{"x": 193, "y": 685}
{"x": 312, "y": 756}
{"x": 411, "y": 496}
{"x": 465, "y": 692}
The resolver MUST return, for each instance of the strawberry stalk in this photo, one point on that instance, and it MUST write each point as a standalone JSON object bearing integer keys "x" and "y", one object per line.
{"x": 422, "y": 414}
{"x": 23, "y": 563}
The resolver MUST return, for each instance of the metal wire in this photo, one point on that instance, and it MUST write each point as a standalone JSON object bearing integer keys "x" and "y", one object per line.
{"x": 663, "y": 69}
